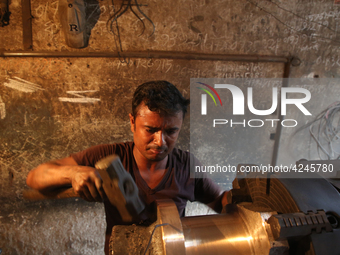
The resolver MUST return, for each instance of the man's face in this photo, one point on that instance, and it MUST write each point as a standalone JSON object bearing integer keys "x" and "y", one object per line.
{"x": 155, "y": 136}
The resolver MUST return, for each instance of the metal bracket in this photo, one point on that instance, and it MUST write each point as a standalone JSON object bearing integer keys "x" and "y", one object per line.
{"x": 290, "y": 225}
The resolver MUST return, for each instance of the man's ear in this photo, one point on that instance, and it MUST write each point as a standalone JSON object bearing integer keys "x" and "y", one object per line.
{"x": 132, "y": 122}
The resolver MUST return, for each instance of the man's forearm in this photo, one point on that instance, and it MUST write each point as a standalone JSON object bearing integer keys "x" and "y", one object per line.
{"x": 50, "y": 175}
{"x": 85, "y": 180}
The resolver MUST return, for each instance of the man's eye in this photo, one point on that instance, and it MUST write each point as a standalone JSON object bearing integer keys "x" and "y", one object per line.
{"x": 170, "y": 132}
{"x": 150, "y": 131}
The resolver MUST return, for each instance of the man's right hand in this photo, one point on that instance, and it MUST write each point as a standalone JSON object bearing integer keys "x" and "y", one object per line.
{"x": 88, "y": 184}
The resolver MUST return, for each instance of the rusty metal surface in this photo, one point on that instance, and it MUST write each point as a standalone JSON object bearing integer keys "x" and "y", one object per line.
{"x": 163, "y": 237}
{"x": 132, "y": 240}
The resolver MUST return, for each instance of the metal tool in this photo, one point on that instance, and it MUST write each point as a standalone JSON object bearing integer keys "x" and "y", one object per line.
{"x": 118, "y": 185}
{"x": 298, "y": 217}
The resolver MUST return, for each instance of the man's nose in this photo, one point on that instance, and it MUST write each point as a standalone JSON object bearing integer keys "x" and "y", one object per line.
{"x": 159, "y": 139}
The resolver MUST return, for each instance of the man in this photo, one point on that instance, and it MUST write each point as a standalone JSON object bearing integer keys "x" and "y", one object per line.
{"x": 159, "y": 170}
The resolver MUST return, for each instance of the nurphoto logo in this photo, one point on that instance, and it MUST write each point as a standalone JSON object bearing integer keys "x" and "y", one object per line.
{"x": 260, "y": 121}
{"x": 238, "y": 99}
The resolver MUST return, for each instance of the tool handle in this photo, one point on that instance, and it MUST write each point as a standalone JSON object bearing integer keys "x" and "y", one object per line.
{"x": 33, "y": 194}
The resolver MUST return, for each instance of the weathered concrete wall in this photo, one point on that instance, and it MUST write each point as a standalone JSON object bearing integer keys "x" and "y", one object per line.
{"x": 39, "y": 120}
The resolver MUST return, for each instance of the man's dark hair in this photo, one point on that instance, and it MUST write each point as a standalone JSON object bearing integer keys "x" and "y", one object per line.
{"x": 161, "y": 97}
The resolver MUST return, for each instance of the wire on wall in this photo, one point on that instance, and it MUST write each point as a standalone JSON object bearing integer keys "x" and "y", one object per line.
{"x": 113, "y": 26}
{"x": 325, "y": 131}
